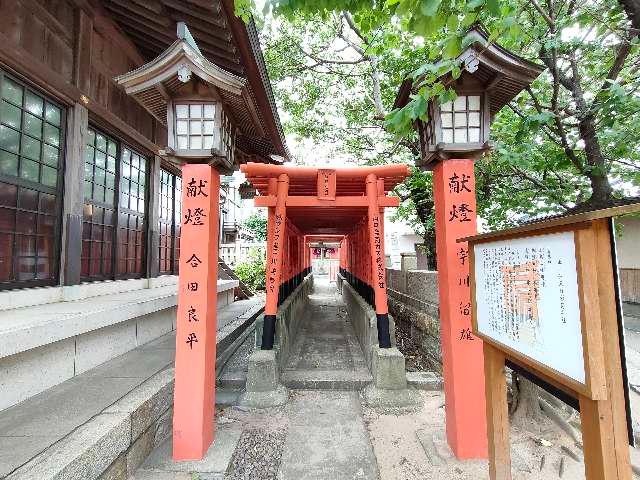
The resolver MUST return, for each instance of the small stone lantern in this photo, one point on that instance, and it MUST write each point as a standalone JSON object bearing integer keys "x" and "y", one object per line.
{"x": 491, "y": 77}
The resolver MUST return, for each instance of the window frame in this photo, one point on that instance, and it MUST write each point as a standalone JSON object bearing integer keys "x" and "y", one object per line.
{"x": 215, "y": 135}
{"x": 57, "y": 191}
{"x": 121, "y": 145}
{"x": 466, "y": 112}
{"x": 174, "y": 222}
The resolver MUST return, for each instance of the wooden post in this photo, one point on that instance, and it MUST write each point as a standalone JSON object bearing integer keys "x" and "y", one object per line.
{"x": 462, "y": 354}
{"x": 604, "y": 422}
{"x": 377, "y": 264}
{"x": 194, "y": 397}
{"x": 277, "y": 227}
{"x": 76, "y": 143}
{"x": 497, "y": 414}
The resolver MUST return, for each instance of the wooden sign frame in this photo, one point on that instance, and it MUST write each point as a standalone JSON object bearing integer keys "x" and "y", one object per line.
{"x": 593, "y": 356}
{"x": 601, "y": 398}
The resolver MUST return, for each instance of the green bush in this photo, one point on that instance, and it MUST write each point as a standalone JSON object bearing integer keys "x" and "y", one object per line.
{"x": 252, "y": 271}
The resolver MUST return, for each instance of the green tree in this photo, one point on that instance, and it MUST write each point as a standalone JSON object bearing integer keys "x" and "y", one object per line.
{"x": 567, "y": 141}
{"x": 257, "y": 225}
{"x": 252, "y": 271}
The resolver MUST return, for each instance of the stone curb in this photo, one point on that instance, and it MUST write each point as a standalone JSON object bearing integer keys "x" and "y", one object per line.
{"x": 82, "y": 455}
{"x": 427, "y": 381}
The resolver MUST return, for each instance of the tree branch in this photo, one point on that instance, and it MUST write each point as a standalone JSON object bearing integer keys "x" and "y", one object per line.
{"x": 544, "y": 15}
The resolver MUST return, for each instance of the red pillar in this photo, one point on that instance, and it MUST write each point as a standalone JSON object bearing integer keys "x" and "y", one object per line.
{"x": 194, "y": 395}
{"x": 462, "y": 357}
{"x": 277, "y": 230}
{"x": 378, "y": 274}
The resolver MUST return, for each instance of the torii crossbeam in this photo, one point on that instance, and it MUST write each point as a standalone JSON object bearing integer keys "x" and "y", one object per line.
{"x": 309, "y": 203}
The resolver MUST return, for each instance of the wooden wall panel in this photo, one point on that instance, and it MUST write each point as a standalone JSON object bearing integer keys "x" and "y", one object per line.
{"x": 108, "y": 60}
{"x": 42, "y": 34}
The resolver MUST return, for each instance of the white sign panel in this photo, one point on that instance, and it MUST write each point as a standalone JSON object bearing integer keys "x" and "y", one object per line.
{"x": 527, "y": 299}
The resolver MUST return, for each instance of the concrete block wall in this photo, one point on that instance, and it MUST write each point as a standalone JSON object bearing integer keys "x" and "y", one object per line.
{"x": 288, "y": 320}
{"x": 28, "y": 373}
{"x": 413, "y": 299}
{"x": 363, "y": 319}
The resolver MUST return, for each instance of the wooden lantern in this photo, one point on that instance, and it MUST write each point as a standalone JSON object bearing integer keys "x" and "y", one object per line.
{"x": 189, "y": 94}
{"x": 491, "y": 77}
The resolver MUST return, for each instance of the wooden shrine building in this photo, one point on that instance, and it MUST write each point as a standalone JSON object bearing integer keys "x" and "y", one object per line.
{"x": 90, "y": 165}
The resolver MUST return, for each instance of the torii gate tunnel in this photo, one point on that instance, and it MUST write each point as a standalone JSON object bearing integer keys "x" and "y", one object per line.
{"x": 308, "y": 205}
{"x": 311, "y": 204}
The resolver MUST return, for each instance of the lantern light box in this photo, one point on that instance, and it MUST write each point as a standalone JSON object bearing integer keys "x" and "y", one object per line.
{"x": 491, "y": 77}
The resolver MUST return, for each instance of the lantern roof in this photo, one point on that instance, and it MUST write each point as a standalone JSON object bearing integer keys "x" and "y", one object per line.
{"x": 502, "y": 73}
{"x": 225, "y": 41}
{"x": 163, "y": 76}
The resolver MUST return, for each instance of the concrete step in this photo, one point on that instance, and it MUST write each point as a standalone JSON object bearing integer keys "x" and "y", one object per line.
{"x": 326, "y": 379}
{"x": 226, "y": 397}
{"x": 232, "y": 380}
{"x": 103, "y": 424}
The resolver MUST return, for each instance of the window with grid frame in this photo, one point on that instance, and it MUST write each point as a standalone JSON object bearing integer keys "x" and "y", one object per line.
{"x": 195, "y": 126}
{"x": 460, "y": 120}
{"x": 170, "y": 201}
{"x": 113, "y": 239}
{"x": 131, "y": 214}
{"x": 31, "y": 135}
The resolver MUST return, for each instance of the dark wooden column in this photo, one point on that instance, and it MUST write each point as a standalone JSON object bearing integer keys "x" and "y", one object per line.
{"x": 153, "y": 209}
{"x": 77, "y": 125}
{"x": 76, "y": 141}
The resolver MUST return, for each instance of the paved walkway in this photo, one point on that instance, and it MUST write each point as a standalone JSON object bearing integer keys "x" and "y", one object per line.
{"x": 326, "y": 352}
{"x": 32, "y": 426}
{"x": 319, "y": 434}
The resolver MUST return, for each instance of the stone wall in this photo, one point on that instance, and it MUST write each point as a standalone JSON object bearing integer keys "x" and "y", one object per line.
{"x": 69, "y": 330}
{"x": 413, "y": 298}
{"x": 363, "y": 319}
{"x": 114, "y": 443}
{"x": 288, "y": 320}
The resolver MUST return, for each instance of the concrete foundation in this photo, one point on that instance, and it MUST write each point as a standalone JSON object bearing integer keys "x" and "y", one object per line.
{"x": 389, "y": 387}
{"x": 363, "y": 320}
{"x": 44, "y": 344}
{"x": 264, "y": 389}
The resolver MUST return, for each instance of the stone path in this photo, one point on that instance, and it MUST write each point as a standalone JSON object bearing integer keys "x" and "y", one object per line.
{"x": 326, "y": 353}
{"x": 327, "y": 438}
{"x": 319, "y": 434}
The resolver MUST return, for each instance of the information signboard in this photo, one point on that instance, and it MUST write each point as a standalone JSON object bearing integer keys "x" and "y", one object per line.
{"x": 527, "y": 299}
{"x": 545, "y": 302}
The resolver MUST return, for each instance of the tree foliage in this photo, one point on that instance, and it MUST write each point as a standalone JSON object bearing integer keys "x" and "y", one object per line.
{"x": 570, "y": 141}
{"x": 252, "y": 271}
{"x": 257, "y": 225}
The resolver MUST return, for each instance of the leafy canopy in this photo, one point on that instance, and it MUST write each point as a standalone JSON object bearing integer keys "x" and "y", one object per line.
{"x": 337, "y": 64}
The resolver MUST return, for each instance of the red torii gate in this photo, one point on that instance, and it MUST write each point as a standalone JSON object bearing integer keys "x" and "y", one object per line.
{"x": 308, "y": 202}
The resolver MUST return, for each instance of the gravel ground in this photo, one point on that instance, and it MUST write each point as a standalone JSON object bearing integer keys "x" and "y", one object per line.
{"x": 257, "y": 455}
{"x": 415, "y": 359}
{"x": 259, "y": 451}
{"x": 544, "y": 454}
